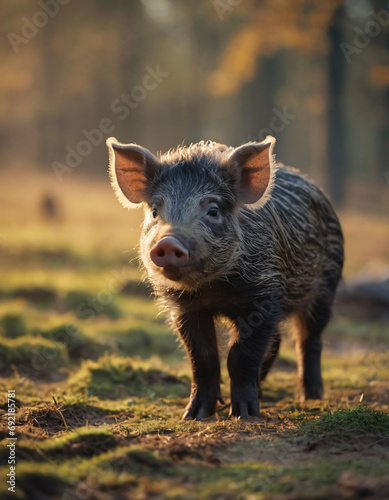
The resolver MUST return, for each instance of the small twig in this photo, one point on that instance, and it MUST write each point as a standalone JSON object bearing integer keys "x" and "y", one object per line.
{"x": 376, "y": 442}
{"x": 202, "y": 432}
{"x": 63, "y": 418}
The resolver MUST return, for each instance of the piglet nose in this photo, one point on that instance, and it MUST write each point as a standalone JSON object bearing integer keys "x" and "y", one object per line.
{"x": 169, "y": 251}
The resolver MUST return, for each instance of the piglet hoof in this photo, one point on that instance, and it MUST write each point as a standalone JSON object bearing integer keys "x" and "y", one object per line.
{"x": 311, "y": 390}
{"x": 244, "y": 402}
{"x": 202, "y": 404}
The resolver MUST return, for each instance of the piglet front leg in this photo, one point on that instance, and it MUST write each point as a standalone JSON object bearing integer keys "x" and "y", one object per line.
{"x": 197, "y": 331}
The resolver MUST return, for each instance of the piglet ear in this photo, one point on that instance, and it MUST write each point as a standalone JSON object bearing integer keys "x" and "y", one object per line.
{"x": 252, "y": 168}
{"x": 131, "y": 169}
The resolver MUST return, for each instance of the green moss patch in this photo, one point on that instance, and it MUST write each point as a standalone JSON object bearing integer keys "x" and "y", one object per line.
{"x": 114, "y": 377}
{"x": 32, "y": 357}
{"x": 360, "y": 419}
{"x": 12, "y": 326}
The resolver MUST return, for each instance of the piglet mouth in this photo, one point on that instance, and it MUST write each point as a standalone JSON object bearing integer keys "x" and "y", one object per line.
{"x": 172, "y": 273}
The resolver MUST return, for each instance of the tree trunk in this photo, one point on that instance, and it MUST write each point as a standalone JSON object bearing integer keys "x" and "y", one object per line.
{"x": 337, "y": 153}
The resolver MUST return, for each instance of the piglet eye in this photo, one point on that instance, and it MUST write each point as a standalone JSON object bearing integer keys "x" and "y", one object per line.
{"x": 213, "y": 212}
{"x": 154, "y": 211}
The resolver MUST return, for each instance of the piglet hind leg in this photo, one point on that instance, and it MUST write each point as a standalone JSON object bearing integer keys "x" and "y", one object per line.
{"x": 198, "y": 334}
{"x": 308, "y": 350}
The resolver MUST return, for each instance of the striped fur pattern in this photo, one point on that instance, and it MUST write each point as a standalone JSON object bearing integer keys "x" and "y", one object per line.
{"x": 292, "y": 245}
{"x": 253, "y": 265}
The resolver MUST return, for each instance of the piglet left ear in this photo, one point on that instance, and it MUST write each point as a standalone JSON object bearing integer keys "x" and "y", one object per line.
{"x": 252, "y": 167}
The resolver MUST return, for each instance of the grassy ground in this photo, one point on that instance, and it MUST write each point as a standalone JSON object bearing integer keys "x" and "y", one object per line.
{"x": 101, "y": 383}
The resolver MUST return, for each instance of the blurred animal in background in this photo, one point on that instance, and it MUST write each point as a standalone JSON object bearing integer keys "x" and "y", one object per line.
{"x": 50, "y": 209}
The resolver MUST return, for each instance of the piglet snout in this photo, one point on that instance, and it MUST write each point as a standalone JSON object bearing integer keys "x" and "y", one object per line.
{"x": 169, "y": 252}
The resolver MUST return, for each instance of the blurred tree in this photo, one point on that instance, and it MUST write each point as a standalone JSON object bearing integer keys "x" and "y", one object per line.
{"x": 265, "y": 66}
{"x": 260, "y": 52}
{"x": 337, "y": 153}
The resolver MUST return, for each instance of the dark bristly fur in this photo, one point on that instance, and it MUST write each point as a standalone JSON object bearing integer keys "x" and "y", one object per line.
{"x": 259, "y": 265}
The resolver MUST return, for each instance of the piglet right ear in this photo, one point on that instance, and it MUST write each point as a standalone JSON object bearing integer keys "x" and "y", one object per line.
{"x": 131, "y": 169}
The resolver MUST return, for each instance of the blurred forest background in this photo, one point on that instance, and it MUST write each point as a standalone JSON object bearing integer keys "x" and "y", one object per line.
{"x": 314, "y": 74}
{"x": 97, "y": 372}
